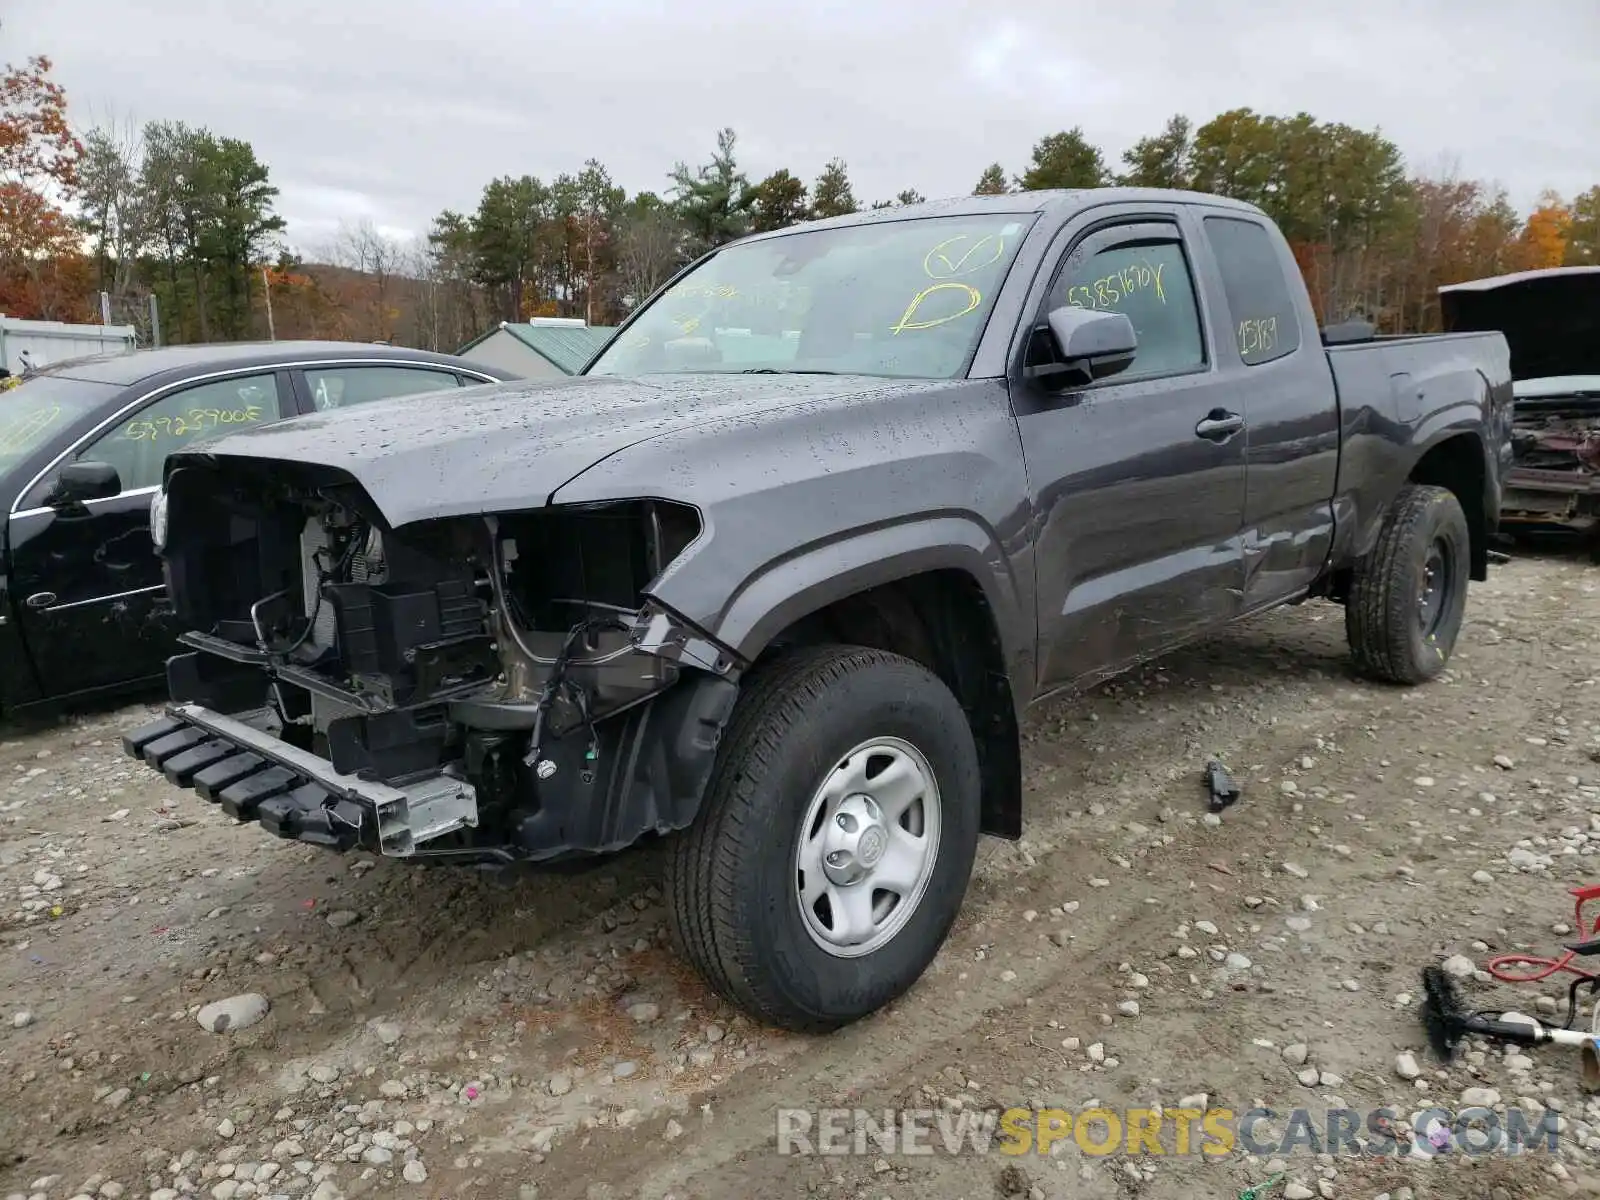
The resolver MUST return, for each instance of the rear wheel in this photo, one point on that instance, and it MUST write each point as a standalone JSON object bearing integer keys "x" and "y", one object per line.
{"x": 1408, "y": 595}
{"x": 836, "y": 840}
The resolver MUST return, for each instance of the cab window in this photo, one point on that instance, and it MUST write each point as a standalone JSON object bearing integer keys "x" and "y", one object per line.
{"x": 1265, "y": 327}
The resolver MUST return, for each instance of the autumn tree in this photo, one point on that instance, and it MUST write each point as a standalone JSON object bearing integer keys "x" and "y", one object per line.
{"x": 831, "y": 195}
{"x": 375, "y": 259}
{"x": 1064, "y": 160}
{"x": 1457, "y": 229}
{"x": 42, "y": 273}
{"x": 777, "y": 201}
{"x": 302, "y": 307}
{"x": 992, "y": 182}
{"x": 1543, "y": 240}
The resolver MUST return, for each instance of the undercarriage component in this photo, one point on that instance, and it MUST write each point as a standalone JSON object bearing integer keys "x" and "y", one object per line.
{"x": 1555, "y": 483}
{"x": 255, "y": 775}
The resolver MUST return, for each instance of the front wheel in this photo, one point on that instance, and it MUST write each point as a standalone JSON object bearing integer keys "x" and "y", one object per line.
{"x": 1408, "y": 594}
{"x": 836, "y": 841}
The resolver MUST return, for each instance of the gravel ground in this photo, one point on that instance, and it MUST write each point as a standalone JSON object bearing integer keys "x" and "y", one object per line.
{"x": 191, "y": 1008}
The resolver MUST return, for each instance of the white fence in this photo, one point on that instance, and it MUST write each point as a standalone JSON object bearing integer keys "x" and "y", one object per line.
{"x": 46, "y": 342}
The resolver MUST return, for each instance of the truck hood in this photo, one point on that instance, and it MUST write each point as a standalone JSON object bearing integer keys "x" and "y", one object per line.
{"x": 503, "y": 447}
{"x": 1550, "y": 318}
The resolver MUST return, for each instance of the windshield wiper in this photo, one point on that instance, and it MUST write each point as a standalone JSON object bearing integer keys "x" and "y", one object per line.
{"x": 782, "y": 371}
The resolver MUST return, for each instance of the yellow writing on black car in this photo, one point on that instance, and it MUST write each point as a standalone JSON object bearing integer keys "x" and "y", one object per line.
{"x": 20, "y": 434}
{"x": 195, "y": 421}
{"x": 960, "y": 255}
{"x": 1109, "y": 291}
{"x": 955, "y": 300}
{"x": 1258, "y": 336}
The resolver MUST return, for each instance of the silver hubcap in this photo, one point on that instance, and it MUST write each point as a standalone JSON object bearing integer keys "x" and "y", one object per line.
{"x": 868, "y": 846}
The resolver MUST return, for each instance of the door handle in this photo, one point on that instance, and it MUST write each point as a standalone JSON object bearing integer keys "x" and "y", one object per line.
{"x": 1219, "y": 425}
{"x": 40, "y": 600}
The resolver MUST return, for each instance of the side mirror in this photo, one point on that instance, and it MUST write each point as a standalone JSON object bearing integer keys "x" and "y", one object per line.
{"x": 1088, "y": 345}
{"x": 82, "y": 481}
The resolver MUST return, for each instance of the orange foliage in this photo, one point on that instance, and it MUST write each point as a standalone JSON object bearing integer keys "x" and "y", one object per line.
{"x": 301, "y": 308}
{"x": 36, "y": 143}
{"x": 43, "y": 272}
{"x": 1543, "y": 240}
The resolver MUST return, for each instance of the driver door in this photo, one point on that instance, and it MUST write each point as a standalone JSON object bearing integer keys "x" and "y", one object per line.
{"x": 90, "y": 598}
{"x": 1138, "y": 478}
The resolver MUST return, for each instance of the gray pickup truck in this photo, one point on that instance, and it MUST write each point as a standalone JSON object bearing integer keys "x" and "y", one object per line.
{"x": 778, "y": 574}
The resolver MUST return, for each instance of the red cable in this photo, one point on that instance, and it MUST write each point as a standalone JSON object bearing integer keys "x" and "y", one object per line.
{"x": 1499, "y": 966}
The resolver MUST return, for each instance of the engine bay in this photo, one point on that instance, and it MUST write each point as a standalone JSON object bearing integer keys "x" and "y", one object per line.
{"x": 506, "y": 650}
{"x": 1555, "y": 481}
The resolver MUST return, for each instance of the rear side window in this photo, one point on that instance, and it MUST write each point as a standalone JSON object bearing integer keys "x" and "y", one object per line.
{"x": 341, "y": 387}
{"x": 1265, "y": 327}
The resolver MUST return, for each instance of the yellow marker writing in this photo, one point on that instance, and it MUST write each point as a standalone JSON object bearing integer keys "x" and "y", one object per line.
{"x": 973, "y": 299}
{"x": 25, "y": 430}
{"x": 948, "y": 259}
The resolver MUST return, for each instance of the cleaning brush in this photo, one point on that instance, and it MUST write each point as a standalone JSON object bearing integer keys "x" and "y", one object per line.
{"x": 1446, "y": 1020}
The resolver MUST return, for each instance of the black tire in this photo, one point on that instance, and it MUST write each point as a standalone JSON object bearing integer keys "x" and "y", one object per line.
{"x": 1393, "y": 635}
{"x": 733, "y": 908}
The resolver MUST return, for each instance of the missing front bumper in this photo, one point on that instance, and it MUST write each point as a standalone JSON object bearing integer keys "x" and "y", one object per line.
{"x": 255, "y": 776}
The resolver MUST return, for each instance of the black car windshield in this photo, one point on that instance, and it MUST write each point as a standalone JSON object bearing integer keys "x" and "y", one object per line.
{"x": 904, "y": 298}
{"x": 39, "y": 408}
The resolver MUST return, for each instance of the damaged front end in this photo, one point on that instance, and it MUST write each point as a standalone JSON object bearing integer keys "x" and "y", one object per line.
{"x": 489, "y": 689}
{"x": 1555, "y": 482}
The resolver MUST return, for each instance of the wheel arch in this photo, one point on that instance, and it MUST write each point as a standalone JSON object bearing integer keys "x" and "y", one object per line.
{"x": 941, "y": 617}
{"x": 1458, "y": 462}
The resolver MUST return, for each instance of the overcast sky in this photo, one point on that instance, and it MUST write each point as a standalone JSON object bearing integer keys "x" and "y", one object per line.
{"x": 392, "y": 111}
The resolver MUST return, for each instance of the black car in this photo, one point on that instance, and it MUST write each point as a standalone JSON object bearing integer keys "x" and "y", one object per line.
{"x": 82, "y": 447}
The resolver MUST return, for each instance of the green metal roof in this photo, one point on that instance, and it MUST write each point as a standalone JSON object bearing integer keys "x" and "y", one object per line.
{"x": 568, "y": 347}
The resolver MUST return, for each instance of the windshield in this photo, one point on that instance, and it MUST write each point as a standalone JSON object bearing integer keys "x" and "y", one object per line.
{"x": 37, "y": 409}
{"x": 896, "y": 298}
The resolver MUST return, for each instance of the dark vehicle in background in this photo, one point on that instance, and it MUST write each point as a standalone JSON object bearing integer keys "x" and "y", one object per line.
{"x": 82, "y": 448}
{"x": 1551, "y": 320}
{"x": 779, "y": 573}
